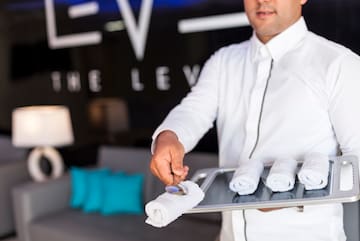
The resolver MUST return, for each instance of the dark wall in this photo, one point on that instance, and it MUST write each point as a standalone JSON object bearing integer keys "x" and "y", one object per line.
{"x": 118, "y": 94}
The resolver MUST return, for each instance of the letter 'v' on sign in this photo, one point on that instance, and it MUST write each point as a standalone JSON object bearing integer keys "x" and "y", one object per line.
{"x": 137, "y": 32}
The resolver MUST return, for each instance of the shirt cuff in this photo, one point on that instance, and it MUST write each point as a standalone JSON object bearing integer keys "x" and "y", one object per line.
{"x": 179, "y": 133}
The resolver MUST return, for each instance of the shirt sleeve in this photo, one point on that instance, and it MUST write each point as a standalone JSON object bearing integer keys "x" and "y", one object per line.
{"x": 344, "y": 106}
{"x": 196, "y": 113}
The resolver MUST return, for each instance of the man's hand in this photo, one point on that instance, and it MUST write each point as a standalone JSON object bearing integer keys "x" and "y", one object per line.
{"x": 167, "y": 160}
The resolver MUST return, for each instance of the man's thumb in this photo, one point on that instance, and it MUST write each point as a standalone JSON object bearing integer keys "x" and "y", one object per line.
{"x": 177, "y": 167}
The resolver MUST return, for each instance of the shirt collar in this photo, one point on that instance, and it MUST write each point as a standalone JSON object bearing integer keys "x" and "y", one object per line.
{"x": 281, "y": 43}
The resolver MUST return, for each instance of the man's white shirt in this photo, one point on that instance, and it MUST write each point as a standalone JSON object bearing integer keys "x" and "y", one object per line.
{"x": 298, "y": 93}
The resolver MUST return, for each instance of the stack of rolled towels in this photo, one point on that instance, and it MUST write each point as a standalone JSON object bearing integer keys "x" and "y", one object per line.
{"x": 167, "y": 207}
{"x": 282, "y": 175}
{"x": 313, "y": 173}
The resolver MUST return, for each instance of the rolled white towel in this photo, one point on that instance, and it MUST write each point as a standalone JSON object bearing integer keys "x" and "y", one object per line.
{"x": 314, "y": 171}
{"x": 167, "y": 207}
{"x": 246, "y": 177}
{"x": 282, "y": 174}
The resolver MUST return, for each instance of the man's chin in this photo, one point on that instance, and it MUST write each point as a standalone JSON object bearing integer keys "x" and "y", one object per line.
{"x": 265, "y": 35}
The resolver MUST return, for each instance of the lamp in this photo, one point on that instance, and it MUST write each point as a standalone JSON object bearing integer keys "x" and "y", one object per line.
{"x": 43, "y": 127}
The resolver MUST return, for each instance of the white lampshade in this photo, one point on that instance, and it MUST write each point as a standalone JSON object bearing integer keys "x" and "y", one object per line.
{"x": 41, "y": 126}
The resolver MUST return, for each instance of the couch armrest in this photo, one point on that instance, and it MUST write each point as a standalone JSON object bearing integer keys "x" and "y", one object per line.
{"x": 34, "y": 200}
{"x": 12, "y": 173}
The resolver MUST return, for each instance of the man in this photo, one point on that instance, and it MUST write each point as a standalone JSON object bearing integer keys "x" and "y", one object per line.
{"x": 284, "y": 93}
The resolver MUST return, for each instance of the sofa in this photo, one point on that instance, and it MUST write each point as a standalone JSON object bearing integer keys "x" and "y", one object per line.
{"x": 42, "y": 209}
{"x": 13, "y": 171}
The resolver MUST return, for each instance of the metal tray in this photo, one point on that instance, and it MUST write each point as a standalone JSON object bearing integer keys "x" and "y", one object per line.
{"x": 343, "y": 186}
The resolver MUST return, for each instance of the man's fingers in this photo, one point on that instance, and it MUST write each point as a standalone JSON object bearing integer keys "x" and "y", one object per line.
{"x": 185, "y": 173}
{"x": 154, "y": 169}
{"x": 177, "y": 163}
{"x": 176, "y": 180}
{"x": 180, "y": 178}
{"x": 162, "y": 170}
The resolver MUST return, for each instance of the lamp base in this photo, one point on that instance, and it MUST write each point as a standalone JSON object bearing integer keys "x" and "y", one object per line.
{"x": 56, "y": 162}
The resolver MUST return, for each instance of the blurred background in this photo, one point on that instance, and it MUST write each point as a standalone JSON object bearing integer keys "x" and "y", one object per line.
{"x": 120, "y": 66}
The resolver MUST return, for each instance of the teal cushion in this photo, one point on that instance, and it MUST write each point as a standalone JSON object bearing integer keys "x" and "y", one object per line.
{"x": 123, "y": 194}
{"x": 94, "y": 195}
{"x": 78, "y": 187}
{"x": 86, "y": 187}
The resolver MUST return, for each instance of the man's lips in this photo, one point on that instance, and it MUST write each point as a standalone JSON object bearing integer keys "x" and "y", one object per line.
{"x": 265, "y": 13}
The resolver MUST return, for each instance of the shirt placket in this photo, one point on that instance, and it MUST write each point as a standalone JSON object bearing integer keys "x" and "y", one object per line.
{"x": 255, "y": 104}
